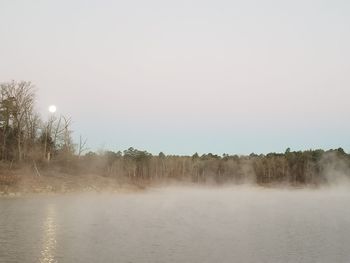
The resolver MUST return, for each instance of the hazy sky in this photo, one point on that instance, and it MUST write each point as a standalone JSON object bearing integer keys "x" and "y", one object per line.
{"x": 185, "y": 76}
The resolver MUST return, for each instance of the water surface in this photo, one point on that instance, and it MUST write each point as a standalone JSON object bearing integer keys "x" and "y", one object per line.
{"x": 244, "y": 224}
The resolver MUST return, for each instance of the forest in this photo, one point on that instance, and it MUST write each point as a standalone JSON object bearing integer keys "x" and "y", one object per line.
{"x": 33, "y": 148}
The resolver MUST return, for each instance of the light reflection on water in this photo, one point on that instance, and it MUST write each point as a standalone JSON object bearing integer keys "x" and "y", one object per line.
{"x": 178, "y": 225}
{"x": 48, "y": 251}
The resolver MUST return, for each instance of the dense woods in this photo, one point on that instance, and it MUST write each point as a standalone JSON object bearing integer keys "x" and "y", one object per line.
{"x": 41, "y": 146}
{"x": 302, "y": 167}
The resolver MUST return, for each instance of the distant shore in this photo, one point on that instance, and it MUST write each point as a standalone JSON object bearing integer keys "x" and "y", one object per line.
{"x": 25, "y": 185}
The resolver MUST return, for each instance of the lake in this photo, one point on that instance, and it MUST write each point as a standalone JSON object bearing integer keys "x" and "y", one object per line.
{"x": 178, "y": 224}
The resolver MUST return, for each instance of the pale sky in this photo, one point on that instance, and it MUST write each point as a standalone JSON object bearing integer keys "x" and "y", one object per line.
{"x": 187, "y": 76}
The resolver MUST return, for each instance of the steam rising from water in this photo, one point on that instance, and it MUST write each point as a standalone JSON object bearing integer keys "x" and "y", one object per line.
{"x": 335, "y": 170}
{"x": 179, "y": 224}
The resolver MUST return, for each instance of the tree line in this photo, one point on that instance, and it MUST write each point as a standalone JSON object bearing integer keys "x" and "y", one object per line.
{"x": 26, "y": 139}
{"x": 312, "y": 167}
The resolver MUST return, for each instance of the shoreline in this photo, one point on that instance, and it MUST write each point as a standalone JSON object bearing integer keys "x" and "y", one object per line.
{"x": 29, "y": 185}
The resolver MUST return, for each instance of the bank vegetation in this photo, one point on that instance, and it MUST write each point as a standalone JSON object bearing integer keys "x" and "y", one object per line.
{"x": 39, "y": 155}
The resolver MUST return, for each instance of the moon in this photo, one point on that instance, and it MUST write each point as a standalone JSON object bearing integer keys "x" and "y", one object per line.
{"x": 52, "y": 109}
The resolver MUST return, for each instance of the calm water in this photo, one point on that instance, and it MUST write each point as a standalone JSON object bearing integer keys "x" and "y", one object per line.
{"x": 178, "y": 225}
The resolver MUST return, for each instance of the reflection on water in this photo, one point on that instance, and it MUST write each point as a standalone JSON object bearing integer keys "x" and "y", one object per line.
{"x": 178, "y": 225}
{"x": 49, "y": 237}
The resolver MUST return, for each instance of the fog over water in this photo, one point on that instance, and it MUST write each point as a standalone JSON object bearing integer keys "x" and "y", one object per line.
{"x": 179, "y": 224}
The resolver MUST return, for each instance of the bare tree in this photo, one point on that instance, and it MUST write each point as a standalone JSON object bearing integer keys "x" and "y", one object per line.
{"x": 82, "y": 146}
{"x": 20, "y": 98}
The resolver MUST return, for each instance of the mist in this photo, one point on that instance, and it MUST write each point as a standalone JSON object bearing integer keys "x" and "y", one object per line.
{"x": 181, "y": 224}
{"x": 175, "y": 131}
{"x": 336, "y": 170}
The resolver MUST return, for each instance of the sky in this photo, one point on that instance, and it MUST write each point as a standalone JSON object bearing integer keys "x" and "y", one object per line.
{"x": 186, "y": 76}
